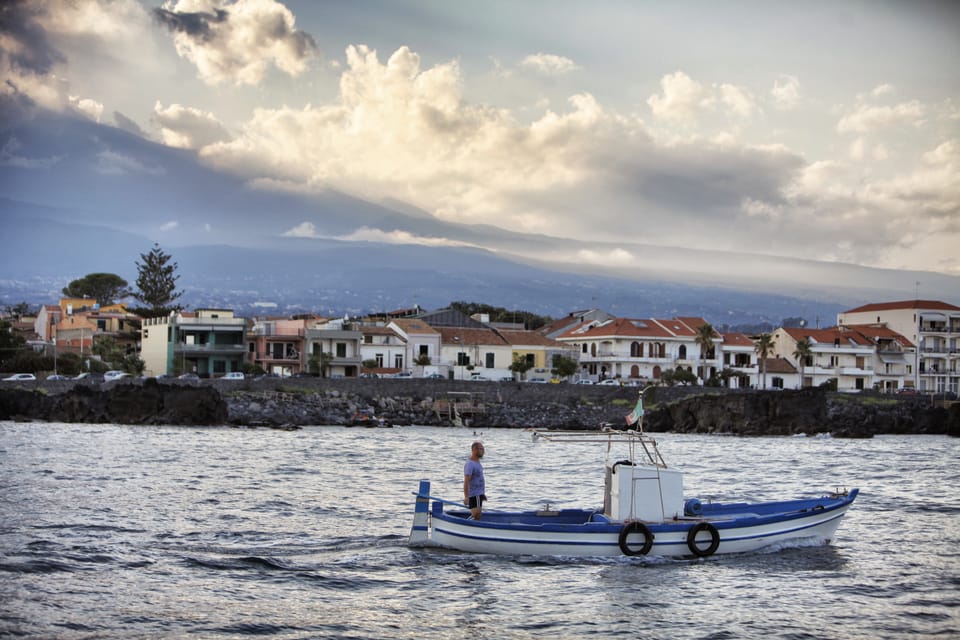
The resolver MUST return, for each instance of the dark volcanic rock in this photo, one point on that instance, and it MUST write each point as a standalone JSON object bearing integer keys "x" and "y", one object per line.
{"x": 121, "y": 403}
{"x": 337, "y": 402}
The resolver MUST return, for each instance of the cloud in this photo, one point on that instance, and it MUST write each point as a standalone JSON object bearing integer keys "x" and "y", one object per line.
{"x": 187, "y": 127}
{"x": 401, "y": 132}
{"x": 367, "y": 234}
{"x": 9, "y": 157}
{"x": 786, "y": 92}
{"x": 302, "y": 230}
{"x": 128, "y": 125}
{"x": 89, "y": 108}
{"x": 684, "y": 99}
{"x": 866, "y": 118}
{"x": 113, "y": 163}
{"x": 24, "y": 43}
{"x": 169, "y": 226}
{"x": 235, "y": 42}
{"x": 548, "y": 64}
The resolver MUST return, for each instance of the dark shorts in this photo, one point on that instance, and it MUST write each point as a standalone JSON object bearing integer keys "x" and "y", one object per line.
{"x": 476, "y": 501}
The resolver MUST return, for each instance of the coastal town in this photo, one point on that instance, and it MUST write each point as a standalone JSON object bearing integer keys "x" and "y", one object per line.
{"x": 903, "y": 347}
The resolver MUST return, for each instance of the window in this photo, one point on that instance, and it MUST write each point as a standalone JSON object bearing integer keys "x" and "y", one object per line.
{"x": 398, "y": 361}
{"x": 463, "y": 359}
{"x": 341, "y": 349}
{"x": 379, "y": 359}
{"x": 367, "y": 339}
{"x": 220, "y": 366}
{"x": 424, "y": 349}
{"x": 636, "y": 349}
{"x": 488, "y": 361}
{"x": 683, "y": 352}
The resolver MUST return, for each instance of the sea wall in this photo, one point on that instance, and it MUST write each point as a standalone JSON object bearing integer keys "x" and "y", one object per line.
{"x": 311, "y": 401}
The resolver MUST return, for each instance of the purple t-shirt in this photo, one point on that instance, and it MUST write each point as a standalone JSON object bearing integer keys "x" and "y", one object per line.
{"x": 475, "y": 470}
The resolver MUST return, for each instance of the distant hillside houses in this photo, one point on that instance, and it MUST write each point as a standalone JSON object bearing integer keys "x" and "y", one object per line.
{"x": 911, "y": 346}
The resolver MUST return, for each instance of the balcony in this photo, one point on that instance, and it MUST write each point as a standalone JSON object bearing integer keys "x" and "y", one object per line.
{"x": 209, "y": 349}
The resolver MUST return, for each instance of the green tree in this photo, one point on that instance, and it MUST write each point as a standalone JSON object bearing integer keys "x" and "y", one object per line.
{"x": 320, "y": 363}
{"x": 423, "y": 360}
{"x": 19, "y": 310}
{"x": 704, "y": 338}
{"x": 521, "y": 364}
{"x": 563, "y": 367}
{"x": 10, "y": 343}
{"x": 530, "y": 320}
{"x": 763, "y": 348}
{"x": 117, "y": 356}
{"x": 105, "y": 288}
{"x": 157, "y": 283}
{"x": 802, "y": 354}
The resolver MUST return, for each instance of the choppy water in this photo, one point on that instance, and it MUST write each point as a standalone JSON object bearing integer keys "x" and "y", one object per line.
{"x": 112, "y": 531}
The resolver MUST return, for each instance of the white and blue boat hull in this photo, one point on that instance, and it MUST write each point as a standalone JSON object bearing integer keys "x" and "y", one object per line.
{"x": 716, "y": 529}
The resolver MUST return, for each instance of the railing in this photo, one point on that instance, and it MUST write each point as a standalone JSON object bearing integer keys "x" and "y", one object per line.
{"x": 181, "y": 347}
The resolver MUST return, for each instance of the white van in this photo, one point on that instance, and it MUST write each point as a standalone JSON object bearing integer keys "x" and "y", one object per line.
{"x": 234, "y": 375}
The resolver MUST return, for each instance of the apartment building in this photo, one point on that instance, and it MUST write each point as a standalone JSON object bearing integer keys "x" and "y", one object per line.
{"x": 859, "y": 357}
{"x": 632, "y": 348}
{"x": 207, "y": 342}
{"x": 277, "y": 345}
{"x": 932, "y": 326}
{"x": 334, "y": 345}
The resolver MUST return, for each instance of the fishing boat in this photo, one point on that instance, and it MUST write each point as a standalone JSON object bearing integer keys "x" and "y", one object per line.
{"x": 644, "y": 512}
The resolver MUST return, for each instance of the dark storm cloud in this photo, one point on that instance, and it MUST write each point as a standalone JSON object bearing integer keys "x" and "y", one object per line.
{"x": 194, "y": 24}
{"x": 33, "y": 54}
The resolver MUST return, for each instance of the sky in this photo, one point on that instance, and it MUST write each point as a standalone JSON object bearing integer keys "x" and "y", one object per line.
{"x": 820, "y": 130}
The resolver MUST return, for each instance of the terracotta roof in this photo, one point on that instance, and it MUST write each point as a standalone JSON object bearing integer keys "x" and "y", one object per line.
{"x": 737, "y": 340}
{"x": 620, "y": 327}
{"x": 413, "y": 325}
{"x": 880, "y": 332}
{"x": 678, "y": 327}
{"x": 377, "y": 331}
{"x": 828, "y": 336}
{"x": 779, "y": 365}
{"x": 928, "y": 305}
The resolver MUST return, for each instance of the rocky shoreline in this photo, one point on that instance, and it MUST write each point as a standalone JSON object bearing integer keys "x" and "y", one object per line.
{"x": 295, "y": 403}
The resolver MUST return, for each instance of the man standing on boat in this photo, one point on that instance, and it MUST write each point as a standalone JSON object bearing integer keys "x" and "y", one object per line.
{"x": 473, "y": 486}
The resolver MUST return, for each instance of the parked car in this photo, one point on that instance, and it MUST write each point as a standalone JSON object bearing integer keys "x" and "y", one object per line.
{"x": 233, "y": 375}
{"x": 537, "y": 380}
{"x": 403, "y": 374}
{"x": 20, "y": 377}
{"x": 610, "y": 382}
{"x": 58, "y": 376}
{"x": 89, "y": 376}
{"x": 188, "y": 376}
{"x": 583, "y": 381}
{"x": 115, "y": 375}
{"x": 436, "y": 376}
{"x": 369, "y": 375}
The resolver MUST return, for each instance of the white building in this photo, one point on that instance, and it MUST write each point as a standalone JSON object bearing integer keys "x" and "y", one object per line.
{"x": 932, "y": 326}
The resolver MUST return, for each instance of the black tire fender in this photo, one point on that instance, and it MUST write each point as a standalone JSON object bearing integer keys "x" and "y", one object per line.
{"x": 692, "y": 539}
{"x": 635, "y": 527}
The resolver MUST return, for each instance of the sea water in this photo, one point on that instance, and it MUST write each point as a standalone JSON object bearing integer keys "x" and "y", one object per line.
{"x": 110, "y": 531}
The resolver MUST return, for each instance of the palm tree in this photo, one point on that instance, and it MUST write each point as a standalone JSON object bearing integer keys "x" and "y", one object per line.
{"x": 801, "y": 353}
{"x": 704, "y": 340}
{"x": 763, "y": 348}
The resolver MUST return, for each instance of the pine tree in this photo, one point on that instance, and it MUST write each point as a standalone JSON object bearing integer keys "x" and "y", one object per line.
{"x": 157, "y": 283}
